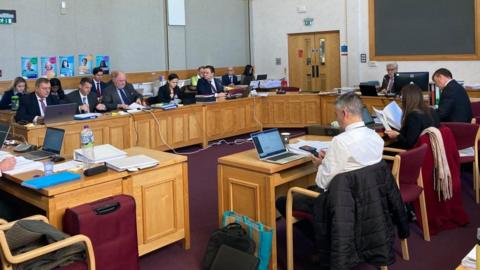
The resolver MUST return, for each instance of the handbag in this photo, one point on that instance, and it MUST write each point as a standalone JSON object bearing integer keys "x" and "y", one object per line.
{"x": 261, "y": 234}
{"x": 232, "y": 235}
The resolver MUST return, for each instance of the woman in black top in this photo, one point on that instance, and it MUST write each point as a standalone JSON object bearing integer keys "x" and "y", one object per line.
{"x": 169, "y": 91}
{"x": 247, "y": 75}
{"x": 19, "y": 88}
{"x": 417, "y": 116}
{"x": 56, "y": 88}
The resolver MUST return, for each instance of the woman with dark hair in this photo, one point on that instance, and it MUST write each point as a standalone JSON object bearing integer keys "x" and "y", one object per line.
{"x": 247, "y": 75}
{"x": 56, "y": 88}
{"x": 417, "y": 116}
{"x": 18, "y": 88}
{"x": 170, "y": 91}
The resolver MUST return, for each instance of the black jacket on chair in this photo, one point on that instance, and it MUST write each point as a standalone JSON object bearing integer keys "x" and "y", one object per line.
{"x": 29, "y": 108}
{"x": 454, "y": 104}
{"x": 356, "y": 216}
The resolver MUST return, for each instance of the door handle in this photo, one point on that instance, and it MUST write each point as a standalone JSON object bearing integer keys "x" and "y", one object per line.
{"x": 318, "y": 72}
{"x": 313, "y": 71}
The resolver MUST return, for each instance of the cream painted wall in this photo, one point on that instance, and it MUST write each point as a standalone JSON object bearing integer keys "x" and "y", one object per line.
{"x": 272, "y": 20}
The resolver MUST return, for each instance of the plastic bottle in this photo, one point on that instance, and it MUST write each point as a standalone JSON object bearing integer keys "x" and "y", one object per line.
{"x": 87, "y": 142}
{"x": 14, "y": 103}
{"x": 284, "y": 83}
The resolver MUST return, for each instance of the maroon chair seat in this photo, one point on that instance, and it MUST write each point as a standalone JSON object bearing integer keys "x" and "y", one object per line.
{"x": 467, "y": 159}
{"x": 410, "y": 192}
{"x": 302, "y": 215}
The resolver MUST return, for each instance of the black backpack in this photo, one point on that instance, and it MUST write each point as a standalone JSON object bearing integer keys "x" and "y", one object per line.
{"x": 232, "y": 235}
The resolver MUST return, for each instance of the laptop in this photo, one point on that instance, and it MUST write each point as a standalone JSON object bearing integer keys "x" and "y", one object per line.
{"x": 270, "y": 147}
{"x": 4, "y": 130}
{"x": 367, "y": 118}
{"x": 368, "y": 90}
{"x": 52, "y": 144}
{"x": 261, "y": 77}
{"x": 60, "y": 113}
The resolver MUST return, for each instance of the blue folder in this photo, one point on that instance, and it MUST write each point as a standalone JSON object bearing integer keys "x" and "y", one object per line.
{"x": 50, "y": 180}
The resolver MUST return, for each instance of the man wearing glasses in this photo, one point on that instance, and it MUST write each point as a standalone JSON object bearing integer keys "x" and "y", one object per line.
{"x": 388, "y": 79}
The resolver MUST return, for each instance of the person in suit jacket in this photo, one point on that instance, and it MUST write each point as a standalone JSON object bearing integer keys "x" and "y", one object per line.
{"x": 32, "y": 106}
{"x": 19, "y": 88}
{"x": 56, "y": 89}
{"x": 86, "y": 99}
{"x": 120, "y": 94}
{"x": 389, "y": 79}
{"x": 97, "y": 85}
{"x": 454, "y": 103}
{"x": 416, "y": 117}
{"x": 208, "y": 85}
{"x": 168, "y": 92}
{"x": 230, "y": 78}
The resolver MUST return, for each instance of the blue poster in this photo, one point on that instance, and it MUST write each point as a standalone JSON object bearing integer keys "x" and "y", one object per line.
{"x": 85, "y": 62}
{"x": 67, "y": 66}
{"x": 49, "y": 66}
{"x": 29, "y": 67}
{"x": 103, "y": 62}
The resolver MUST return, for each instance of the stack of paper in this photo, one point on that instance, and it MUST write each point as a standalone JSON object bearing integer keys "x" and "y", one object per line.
{"x": 25, "y": 165}
{"x": 133, "y": 162}
{"x": 390, "y": 116}
{"x": 470, "y": 260}
{"x": 102, "y": 153}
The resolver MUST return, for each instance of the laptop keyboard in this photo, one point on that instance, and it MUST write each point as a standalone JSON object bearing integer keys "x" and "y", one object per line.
{"x": 282, "y": 156}
{"x": 39, "y": 153}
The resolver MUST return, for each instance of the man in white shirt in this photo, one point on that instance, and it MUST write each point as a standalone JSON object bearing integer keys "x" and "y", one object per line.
{"x": 208, "y": 85}
{"x": 355, "y": 148}
{"x": 84, "y": 97}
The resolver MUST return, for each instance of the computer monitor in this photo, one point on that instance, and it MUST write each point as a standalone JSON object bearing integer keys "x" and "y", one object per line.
{"x": 261, "y": 77}
{"x": 421, "y": 79}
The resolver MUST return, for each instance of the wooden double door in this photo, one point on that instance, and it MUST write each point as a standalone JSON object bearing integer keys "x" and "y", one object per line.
{"x": 314, "y": 60}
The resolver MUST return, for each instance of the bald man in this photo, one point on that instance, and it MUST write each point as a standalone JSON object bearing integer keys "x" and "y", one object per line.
{"x": 120, "y": 94}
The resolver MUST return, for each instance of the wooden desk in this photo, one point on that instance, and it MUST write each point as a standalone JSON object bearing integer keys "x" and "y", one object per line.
{"x": 250, "y": 187}
{"x": 161, "y": 196}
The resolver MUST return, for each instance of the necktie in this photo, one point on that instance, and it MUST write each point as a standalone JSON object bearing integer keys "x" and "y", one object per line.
{"x": 84, "y": 101}
{"x": 231, "y": 79}
{"x": 390, "y": 84}
{"x": 99, "y": 91}
{"x": 125, "y": 99}
{"x": 214, "y": 87}
{"x": 42, "y": 104}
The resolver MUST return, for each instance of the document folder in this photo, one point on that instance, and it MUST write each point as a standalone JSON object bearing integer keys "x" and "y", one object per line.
{"x": 50, "y": 180}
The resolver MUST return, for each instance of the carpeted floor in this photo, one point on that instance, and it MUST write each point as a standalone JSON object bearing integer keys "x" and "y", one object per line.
{"x": 445, "y": 250}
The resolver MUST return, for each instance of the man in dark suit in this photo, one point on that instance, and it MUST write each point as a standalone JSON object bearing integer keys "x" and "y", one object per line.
{"x": 230, "y": 78}
{"x": 454, "y": 103}
{"x": 208, "y": 85}
{"x": 97, "y": 85}
{"x": 120, "y": 94}
{"x": 32, "y": 106}
{"x": 86, "y": 99}
{"x": 388, "y": 79}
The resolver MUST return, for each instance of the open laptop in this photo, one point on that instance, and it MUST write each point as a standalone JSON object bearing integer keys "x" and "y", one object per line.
{"x": 52, "y": 144}
{"x": 261, "y": 77}
{"x": 368, "y": 90}
{"x": 4, "y": 130}
{"x": 270, "y": 147}
{"x": 60, "y": 113}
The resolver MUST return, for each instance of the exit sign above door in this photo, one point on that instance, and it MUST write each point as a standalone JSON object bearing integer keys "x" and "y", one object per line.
{"x": 8, "y": 16}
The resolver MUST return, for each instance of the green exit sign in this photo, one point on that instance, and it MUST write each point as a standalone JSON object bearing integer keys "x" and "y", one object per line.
{"x": 6, "y": 21}
{"x": 308, "y": 21}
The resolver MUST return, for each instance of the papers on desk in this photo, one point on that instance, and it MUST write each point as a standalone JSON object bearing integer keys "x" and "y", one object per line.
{"x": 25, "y": 165}
{"x": 470, "y": 260}
{"x": 102, "y": 153}
{"x": 319, "y": 145}
{"x": 85, "y": 116}
{"x": 390, "y": 116}
{"x": 132, "y": 163}
{"x": 136, "y": 106}
{"x": 68, "y": 165}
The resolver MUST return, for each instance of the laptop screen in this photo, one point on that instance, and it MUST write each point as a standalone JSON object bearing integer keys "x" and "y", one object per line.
{"x": 4, "y": 129}
{"x": 268, "y": 143}
{"x": 367, "y": 117}
{"x": 53, "y": 140}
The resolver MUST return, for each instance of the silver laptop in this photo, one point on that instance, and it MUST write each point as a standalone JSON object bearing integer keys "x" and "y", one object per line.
{"x": 60, "y": 113}
{"x": 52, "y": 144}
{"x": 270, "y": 147}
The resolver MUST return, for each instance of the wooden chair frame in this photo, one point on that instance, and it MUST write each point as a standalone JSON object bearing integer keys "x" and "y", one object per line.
{"x": 8, "y": 259}
{"x": 290, "y": 220}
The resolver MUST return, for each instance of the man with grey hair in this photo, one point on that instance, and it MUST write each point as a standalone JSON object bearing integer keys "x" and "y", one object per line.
{"x": 355, "y": 148}
{"x": 230, "y": 78}
{"x": 388, "y": 79}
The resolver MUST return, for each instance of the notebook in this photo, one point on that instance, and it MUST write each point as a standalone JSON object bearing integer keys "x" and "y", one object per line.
{"x": 51, "y": 180}
{"x": 133, "y": 162}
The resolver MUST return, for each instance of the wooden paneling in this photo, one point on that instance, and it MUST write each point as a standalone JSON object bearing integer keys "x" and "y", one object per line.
{"x": 291, "y": 110}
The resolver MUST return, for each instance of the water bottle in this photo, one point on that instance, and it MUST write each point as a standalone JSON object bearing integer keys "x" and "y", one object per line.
{"x": 284, "y": 83}
{"x": 87, "y": 142}
{"x": 14, "y": 103}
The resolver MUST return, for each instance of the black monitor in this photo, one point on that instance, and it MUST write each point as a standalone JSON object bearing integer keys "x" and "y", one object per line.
{"x": 421, "y": 79}
{"x": 261, "y": 77}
